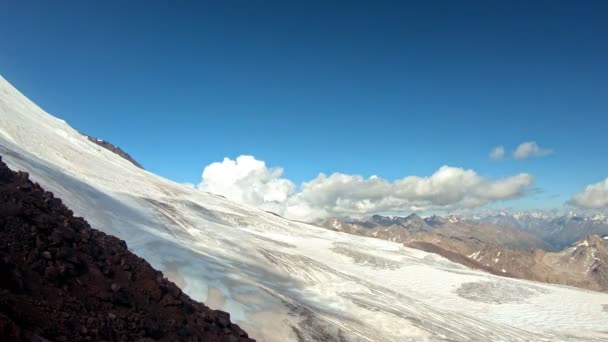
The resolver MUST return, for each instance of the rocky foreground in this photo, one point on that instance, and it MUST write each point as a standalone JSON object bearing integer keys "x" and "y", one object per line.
{"x": 61, "y": 280}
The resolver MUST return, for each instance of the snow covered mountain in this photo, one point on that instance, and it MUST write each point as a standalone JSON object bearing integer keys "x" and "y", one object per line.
{"x": 405, "y": 229}
{"x": 283, "y": 280}
{"x": 584, "y": 264}
{"x": 498, "y": 249}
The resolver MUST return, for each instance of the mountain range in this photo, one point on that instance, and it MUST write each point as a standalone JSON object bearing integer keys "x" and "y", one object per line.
{"x": 558, "y": 230}
{"x": 548, "y": 230}
{"x": 521, "y": 251}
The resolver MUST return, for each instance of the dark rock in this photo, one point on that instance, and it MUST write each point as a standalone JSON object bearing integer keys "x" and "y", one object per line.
{"x": 65, "y": 281}
{"x": 115, "y": 149}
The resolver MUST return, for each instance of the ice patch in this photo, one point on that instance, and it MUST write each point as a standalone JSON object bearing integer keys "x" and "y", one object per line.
{"x": 498, "y": 293}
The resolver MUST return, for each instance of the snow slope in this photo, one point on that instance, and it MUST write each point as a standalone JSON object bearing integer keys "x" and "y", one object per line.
{"x": 284, "y": 280}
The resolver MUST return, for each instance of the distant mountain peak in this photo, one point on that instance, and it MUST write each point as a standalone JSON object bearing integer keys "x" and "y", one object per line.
{"x": 436, "y": 220}
{"x": 413, "y": 216}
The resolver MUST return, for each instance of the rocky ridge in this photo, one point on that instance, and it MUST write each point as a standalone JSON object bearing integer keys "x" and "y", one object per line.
{"x": 111, "y": 147}
{"x": 61, "y": 280}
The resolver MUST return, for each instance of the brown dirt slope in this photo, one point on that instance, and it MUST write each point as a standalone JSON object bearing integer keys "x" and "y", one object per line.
{"x": 61, "y": 280}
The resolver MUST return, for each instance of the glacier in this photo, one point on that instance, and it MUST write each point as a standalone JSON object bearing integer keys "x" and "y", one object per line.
{"x": 283, "y": 280}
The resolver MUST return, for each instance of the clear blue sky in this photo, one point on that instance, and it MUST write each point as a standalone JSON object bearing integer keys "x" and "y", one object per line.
{"x": 390, "y": 88}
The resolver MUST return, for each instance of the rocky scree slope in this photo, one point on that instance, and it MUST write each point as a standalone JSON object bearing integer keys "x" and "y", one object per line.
{"x": 62, "y": 280}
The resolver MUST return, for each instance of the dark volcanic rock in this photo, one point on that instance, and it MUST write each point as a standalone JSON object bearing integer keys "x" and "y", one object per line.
{"x": 61, "y": 280}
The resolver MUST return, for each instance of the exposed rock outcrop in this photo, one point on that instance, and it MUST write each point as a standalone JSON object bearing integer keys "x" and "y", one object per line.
{"x": 61, "y": 280}
{"x": 109, "y": 146}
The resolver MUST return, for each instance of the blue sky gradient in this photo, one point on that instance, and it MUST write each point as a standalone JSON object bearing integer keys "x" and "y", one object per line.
{"x": 391, "y": 88}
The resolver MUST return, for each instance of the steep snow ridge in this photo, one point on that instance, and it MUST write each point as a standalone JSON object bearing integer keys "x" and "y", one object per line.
{"x": 284, "y": 280}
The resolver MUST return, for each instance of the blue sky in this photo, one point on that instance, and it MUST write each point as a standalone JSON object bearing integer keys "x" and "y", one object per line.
{"x": 389, "y": 88}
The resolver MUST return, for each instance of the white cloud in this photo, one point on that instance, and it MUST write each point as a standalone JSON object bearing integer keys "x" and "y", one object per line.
{"x": 594, "y": 196}
{"x": 530, "y": 149}
{"x": 450, "y": 188}
{"x": 497, "y": 152}
{"x": 247, "y": 180}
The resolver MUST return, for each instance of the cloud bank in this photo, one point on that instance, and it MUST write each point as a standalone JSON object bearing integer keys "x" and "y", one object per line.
{"x": 530, "y": 149}
{"x": 594, "y": 196}
{"x": 250, "y": 181}
{"x": 497, "y": 153}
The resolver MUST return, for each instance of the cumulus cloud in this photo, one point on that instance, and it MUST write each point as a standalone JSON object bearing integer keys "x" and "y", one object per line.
{"x": 530, "y": 149}
{"x": 249, "y": 180}
{"x": 497, "y": 152}
{"x": 594, "y": 196}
